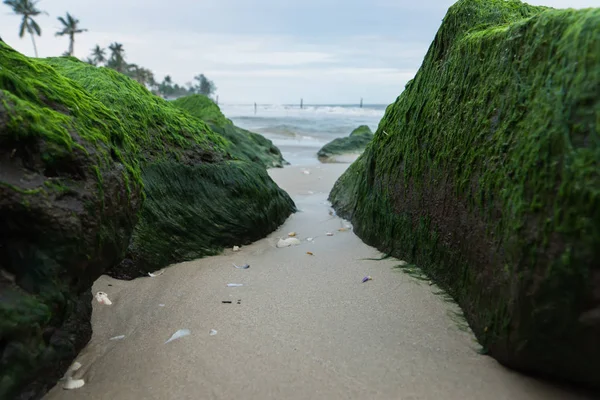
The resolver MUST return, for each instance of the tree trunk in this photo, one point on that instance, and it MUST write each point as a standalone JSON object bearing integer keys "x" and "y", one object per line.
{"x": 34, "y": 46}
{"x": 71, "y": 44}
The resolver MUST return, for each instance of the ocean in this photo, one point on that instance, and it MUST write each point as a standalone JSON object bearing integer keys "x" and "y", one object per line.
{"x": 300, "y": 133}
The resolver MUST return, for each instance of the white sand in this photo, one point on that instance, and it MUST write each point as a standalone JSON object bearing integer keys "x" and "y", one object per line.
{"x": 306, "y": 328}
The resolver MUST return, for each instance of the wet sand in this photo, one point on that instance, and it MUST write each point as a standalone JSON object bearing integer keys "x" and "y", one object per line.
{"x": 306, "y": 326}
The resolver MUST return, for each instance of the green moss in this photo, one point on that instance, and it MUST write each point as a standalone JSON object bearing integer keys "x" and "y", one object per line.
{"x": 157, "y": 129}
{"x": 202, "y": 107}
{"x": 355, "y": 143}
{"x": 242, "y": 144}
{"x": 195, "y": 211}
{"x": 41, "y": 104}
{"x": 484, "y": 172}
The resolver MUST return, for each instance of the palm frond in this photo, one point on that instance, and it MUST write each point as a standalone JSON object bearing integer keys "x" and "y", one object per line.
{"x": 23, "y": 27}
{"x": 35, "y": 27}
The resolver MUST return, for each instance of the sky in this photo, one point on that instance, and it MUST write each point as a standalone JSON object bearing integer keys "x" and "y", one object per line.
{"x": 264, "y": 51}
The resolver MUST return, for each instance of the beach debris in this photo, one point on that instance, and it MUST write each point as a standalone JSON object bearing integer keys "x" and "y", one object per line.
{"x": 402, "y": 263}
{"x": 226, "y": 302}
{"x": 311, "y": 192}
{"x": 310, "y": 239}
{"x": 179, "y": 334}
{"x": 310, "y": 253}
{"x": 244, "y": 266}
{"x": 71, "y": 383}
{"x": 213, "y": 332}
{"x": 235, "y": 284}
{"x": 292, "y": 234}
{"x": 288, "y": 242}
{"x": 161, "y": 305}
{"x": 236, "y": 248}
{"x": 117, "y": 337}
{"x": 102, "y": 298}
{"x": 329, "y": 234}
{"x": 156, "y": 273}
{"x": 343, "y": 229}
{"x": 367, "y": 278}
{"x": 239, "y": 301}
{"x": 306, "y": 172}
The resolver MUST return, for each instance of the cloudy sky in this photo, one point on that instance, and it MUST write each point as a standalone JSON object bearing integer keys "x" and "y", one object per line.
{"x": 268, "y": 51}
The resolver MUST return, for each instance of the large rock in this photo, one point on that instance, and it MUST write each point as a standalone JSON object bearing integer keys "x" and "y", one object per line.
{"x": 484, "y": 173}
{"x": 346, "y": 146}
{"x": 198, "y": 199}
{"x": 246, "y": 145}
{"x": 75, "y": 156}
{"x": 68, "y": 205}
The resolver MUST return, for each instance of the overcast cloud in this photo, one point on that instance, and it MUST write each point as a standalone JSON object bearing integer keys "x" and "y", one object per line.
{"x": 268, "y": 51}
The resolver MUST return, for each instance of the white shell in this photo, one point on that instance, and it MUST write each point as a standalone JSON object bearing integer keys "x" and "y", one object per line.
{"x": 157, "y": 273}
{"x": 75, "y": 366}
{"x": 73, "y": 384}
{"x": 213, "y": 332}
{"x": 102, "y": 298}
{"x": 179, "y": 334}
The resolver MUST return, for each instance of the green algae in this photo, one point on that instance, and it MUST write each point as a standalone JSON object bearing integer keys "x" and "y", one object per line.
{"x": 355, "y": 143}
{"x": 162, "y": 131}
{"x": 485, "y": 173}
{"x": 40, "y": 103}
{"x": 202, "y": 107}
{"x": 195, "y": 211}
{"x": 243, "y": 144}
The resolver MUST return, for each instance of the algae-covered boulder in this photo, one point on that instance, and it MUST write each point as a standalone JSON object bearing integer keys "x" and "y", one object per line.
{"x": 68, "y": 205}
{"x": 198, "y": 200}
{"x": 87, "y": 156}
{"x": 353, "y": 144}
{"x": 246, "y": 145}
{"x": 485, "y": 173}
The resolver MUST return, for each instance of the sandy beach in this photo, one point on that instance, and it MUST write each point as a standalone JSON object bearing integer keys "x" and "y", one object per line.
{"x": 306, "y": 327}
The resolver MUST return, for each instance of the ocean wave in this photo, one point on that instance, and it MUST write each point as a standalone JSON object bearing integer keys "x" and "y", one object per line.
{"x": 283, "y": 110}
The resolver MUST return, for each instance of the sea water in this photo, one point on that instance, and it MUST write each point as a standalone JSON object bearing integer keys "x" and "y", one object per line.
{"x": 300, "y": 132}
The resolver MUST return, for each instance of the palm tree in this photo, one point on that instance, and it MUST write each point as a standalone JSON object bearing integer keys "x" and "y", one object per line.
{"x": 117, "y": 57}
{"x": 98, "y": 55}
{"x": 27, "y": 9}
{"x": 70, "y": 29}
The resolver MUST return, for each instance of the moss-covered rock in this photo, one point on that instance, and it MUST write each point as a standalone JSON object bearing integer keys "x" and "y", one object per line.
{"x": 77, "y": 146}
{"x": 484, "y": 173}
{"x": 182, "y": 140}
{"x": 245, "y": 145}
{"x": 353, "y": 144}
{"x": 68, "y": 205}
